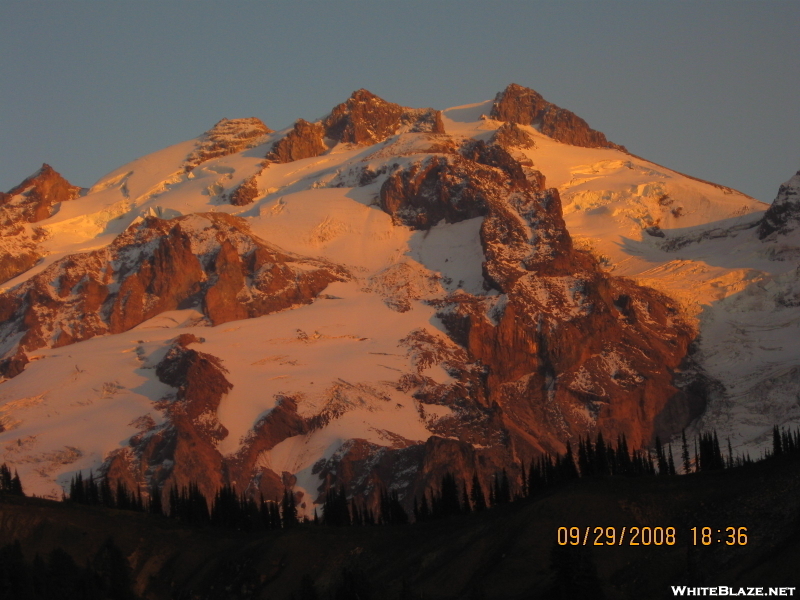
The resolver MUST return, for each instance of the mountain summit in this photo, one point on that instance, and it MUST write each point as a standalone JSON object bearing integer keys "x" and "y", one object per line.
{"x": 517, "y": 104}
{"x": 379, "y": 297}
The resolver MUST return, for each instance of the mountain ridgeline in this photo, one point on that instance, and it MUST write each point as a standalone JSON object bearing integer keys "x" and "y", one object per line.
{"x": 364, "y": 302}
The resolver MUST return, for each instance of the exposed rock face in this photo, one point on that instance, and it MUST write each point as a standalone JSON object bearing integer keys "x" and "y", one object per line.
{"x": 511, "y": 135}
{"x": 18, "y": 254}
{"x": 367, "y": 119}
{"x": 547, "y": 347}
{"x": 517, "y": 104}
{"x": 14, "y": 365}
{"x": 362, "y": 469}
{"x": 36, "y": 198}
{"x": 420, "y": 197}
{"x": 245, "y": 193}
{"x": 563, "y": 351}
{"x": 33, "y": 200}
{"x": 783, "y": 215}
{"x": 228, "y": 136}
{"x": 183, "y": 449}
{"x": 303, "y": 141}
{"x": 209, "y": 260}
{"x": 547, "y": 378}
{"x": 363, "y": 119}
{"x": 453, "y": 188}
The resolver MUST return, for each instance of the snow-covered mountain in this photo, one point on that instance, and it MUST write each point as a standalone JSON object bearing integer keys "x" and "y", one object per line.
{"x": 382, "y": 296}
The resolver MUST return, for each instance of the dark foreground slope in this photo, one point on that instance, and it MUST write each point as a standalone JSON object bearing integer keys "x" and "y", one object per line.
{"x": 506, "y": 553}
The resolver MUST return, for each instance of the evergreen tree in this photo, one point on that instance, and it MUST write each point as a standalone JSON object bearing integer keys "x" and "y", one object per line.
{"x": 663, "y": 468}
{"x": 106, "y": 496}
{"x": 502, "y": 488}
{"x": 601, "y": 456}
{"x": 91, "y": 491}
{"x": 155, "y": 507}
{"x": 687, "y": 465}
{"x": 16, "y": 485}
{"x": 335, "y": 509}
{"x": 568, "y": 468}
{"x": 226, "y": 509}
{"x": 777, "y": 445}
{"x": 476, "y": 494}
{"x": 730, "y": 453}
{"x": 10, "y": 484}
{"x": 671, "y": 462}
{"x": 623, "y": 460}
{"x": 719, "y": 463}
{"x": 448, "y": 503}
{"x": 424, "y": 509}
{"x": 5, "y": 478}
{"x": 289, "y": 509}
{"x": 710, "y": 454}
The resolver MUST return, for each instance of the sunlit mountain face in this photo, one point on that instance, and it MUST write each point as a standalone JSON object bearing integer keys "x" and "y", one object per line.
{"x": 377, "y": 298}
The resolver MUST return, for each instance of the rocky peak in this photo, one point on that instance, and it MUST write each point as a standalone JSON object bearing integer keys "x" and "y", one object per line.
{"x": 518, "y": 104}
{"x": 783, "y": 215}
{"x": 367, "y": 119}
{"x": 36, "y": 198}
{"x": 362, "y": 119}
{"x": 228, "y": 136}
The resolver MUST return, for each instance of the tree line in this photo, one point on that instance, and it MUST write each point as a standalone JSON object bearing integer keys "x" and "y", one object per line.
{"x": 448, "y": 496}
{"x": 10, "y": 484}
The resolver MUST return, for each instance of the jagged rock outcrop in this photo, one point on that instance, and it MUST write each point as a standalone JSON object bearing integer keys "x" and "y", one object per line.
{"x": 183, "y": 449}
{"x": 303, "y": 141}
{"x": 228, "y": 136}
{"x": 454, "y": 188}
{"x": 13, "y": 365}
{"x": 18, "y": 252}
{"x": 209, "y": 260}
{"x": 517, "y": 104}
{"x": 420, "y": 196}
{"x": 363, "y": 119}
{"x": 548, "y": 379}
{"x": 367, "y": 119}
{"x": 783, "y": 215}
{"x": 510, "y": 135}
{"x": 502, "y": 340}
{"x": 245, "y": 192}
{"x": 35, "y": 199}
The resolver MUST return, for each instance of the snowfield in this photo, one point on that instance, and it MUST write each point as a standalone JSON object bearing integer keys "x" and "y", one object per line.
{"x": 342, "y": 354}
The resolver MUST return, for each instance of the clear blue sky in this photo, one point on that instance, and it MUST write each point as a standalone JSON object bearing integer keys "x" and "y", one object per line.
{"x": 708, "y": 88}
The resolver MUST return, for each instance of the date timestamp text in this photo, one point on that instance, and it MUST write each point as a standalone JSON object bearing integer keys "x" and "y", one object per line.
{"x": 649, "y": 536}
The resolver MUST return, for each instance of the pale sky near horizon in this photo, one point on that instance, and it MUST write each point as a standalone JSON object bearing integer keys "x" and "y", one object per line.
{"x": 711, "y": 89}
